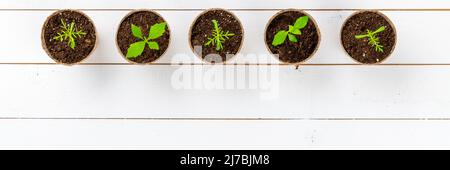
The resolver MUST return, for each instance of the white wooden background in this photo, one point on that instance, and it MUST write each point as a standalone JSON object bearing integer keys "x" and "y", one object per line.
{"x": 330, "y": 102}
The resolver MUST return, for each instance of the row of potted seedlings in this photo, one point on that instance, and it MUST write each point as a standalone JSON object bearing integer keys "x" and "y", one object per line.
{"x": 143, "y": 36}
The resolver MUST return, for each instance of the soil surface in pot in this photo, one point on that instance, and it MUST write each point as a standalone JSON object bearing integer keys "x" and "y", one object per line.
{"x": 359, "y": 49}
{"x": 144, "y": 20}
{"x": 203, "y": 28}
{"x": 293, "y": 52}
{"x": 61, "y": 52}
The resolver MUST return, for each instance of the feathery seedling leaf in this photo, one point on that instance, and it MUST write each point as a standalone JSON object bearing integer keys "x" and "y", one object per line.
{"x": 374, "y": 41}
{"x": 280, "y": 36}
{"x": 218, "y": 36}
{"x": 69, "y": 33}
{"x": 136, "y": 49}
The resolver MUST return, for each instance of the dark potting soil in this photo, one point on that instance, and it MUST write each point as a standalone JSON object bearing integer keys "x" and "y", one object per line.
{"x": 359, "y": 49}
{"x": 143, "y": 19}
{"x": 203, "y": 28}
{"x": 293, "y": 52}
{"x": 61, "y": 51}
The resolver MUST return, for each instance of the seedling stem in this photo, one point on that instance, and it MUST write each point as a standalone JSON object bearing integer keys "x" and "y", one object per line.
{"x": 69, "y": 33}
{"x": 291, "y": 33}
{"x": 374, "y": 41}
{"x": 218, "y": 36}
{"x": 137, "y": 48}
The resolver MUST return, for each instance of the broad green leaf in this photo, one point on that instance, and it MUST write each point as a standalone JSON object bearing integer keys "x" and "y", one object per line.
{"x": 157, "y": 30}
{"x": 292, "y": 38}
{"x": 296, "y": 32}
{"x": 153, "y": 45}
{"x": 301, "y": 22}
{"x": 291, "y": 28}
{"x": 279, "y": 38}
{"x": 136, "y": 31}
{"x": 136, "y": 49}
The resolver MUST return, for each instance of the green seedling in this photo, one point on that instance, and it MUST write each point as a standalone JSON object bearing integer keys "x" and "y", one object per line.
{"x": 69, "y": 33}
{"x": 373, "y": 40}
{"x": 291, "y": 33}
{"x": 137, "y": 48}
{"x": 218, "y": 36}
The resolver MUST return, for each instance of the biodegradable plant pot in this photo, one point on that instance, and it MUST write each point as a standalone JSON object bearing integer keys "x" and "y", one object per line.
{"x": 291, "y": 52}
{"x": 203, "y": 28}
{"x": 359, "y": 48}
{"x": 146, "y": 20}
{"x": 64, "y": 51}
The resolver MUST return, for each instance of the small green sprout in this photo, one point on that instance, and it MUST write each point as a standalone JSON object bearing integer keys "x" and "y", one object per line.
{"x": 218, "y": 36}
{"x": 69, "y": 33}
{"x": 373, "y": 40}
{"x": 293, "y": 30}
{"x": 137, "y": 48}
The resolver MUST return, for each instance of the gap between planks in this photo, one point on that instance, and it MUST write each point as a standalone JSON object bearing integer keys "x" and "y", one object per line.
{"x": 241, "y": 64}
{"x": 226, "y": 119}
{"x": 232, "y": 9}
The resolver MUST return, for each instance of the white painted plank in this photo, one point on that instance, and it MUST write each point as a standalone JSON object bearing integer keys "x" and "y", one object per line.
{"x": 292, "y": 134}
{"x": 399, "y": 134}
{"x": 111, "y": 91}
{"x": 234, "y": 4}
{"x": 144, "y": 134}
{"x": 412, "y": 47}
{"x": 114, "y": 91}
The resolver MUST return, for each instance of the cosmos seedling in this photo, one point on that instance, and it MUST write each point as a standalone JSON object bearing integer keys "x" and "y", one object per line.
{"x": 137, "y": 48}
{"x": 293, "y": 30}
{"x": 374, "y": 41}
{"x": 218, "y": 36}
{"x": 69, "y": 33}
